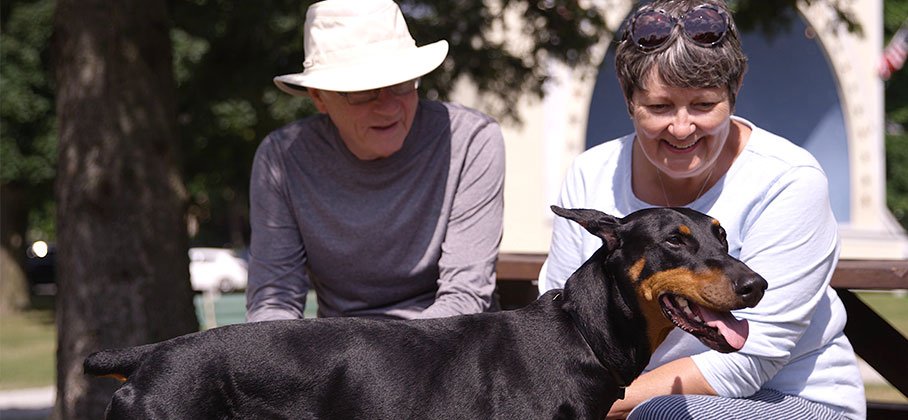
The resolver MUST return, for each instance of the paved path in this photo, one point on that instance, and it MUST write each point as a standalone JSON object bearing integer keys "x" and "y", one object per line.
{"x": 27, "y": 404}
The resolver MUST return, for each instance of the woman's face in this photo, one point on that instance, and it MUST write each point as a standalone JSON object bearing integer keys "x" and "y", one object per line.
{"x": 681, "y": 130}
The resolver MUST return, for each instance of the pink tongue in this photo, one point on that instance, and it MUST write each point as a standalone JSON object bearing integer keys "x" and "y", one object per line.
{"x": 734, "y": 330}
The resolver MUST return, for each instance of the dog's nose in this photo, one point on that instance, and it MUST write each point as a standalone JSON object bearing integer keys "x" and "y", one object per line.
{"x": 750, "y": 289}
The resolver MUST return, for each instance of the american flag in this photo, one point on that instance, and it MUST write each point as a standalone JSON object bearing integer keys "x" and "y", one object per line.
{"x": 894, "y": 55}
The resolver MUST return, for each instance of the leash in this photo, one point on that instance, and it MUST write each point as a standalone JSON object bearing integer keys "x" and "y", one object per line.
{"x": 622, "y": 387}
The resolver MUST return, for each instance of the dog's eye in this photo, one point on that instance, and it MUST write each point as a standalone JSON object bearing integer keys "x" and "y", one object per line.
{"x": 722, "y": 235}
{"x": 675, "y": 240}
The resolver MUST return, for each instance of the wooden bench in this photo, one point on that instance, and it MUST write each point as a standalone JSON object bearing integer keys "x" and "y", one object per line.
{"x": 873, "y": 338}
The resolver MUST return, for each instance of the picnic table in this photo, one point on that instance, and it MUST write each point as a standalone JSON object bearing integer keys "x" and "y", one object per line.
{"x": 873, "y": 338}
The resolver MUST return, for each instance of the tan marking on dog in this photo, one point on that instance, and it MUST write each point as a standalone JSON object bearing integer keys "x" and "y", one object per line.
{"x": 116, "y": 376}
{"x": 685, "y": 230}
{"x": 715, "y": 222}
{"x": 636, "y": 269}
{"x": 708, "y": 288}
{"x": 657, "y": 325}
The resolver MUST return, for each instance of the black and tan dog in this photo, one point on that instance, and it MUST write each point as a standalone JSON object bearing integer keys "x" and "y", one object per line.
{"x": 564, "y": 356}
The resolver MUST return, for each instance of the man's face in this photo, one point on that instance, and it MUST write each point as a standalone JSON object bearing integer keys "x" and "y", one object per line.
{"x": 372, "y": 130}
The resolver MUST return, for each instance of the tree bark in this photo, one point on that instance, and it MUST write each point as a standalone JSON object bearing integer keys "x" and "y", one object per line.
{"x": 123, "y": 276}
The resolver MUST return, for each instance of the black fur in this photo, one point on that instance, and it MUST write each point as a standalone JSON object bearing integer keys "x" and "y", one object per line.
{"x": 563, "y": 356}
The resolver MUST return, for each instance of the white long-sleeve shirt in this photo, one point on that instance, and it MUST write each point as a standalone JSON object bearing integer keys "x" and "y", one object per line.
{"x": 774, "y": 205}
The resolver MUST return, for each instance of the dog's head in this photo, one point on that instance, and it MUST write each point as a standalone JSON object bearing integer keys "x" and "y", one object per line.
{"x": 677, "y": 261}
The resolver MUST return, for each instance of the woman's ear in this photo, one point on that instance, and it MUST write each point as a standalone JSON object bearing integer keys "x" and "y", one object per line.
{"x": 318, "y": 100}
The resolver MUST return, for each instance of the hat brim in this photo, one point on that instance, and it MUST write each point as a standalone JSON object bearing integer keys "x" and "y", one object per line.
{"x": 367, "y": 73}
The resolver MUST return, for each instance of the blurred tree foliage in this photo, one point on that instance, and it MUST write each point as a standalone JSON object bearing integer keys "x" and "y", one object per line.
{"x": 28, "y": 138}
{"x": 895, "y": 14}
{"x": 226, "y": 52}
{"x": 28, "y": 142}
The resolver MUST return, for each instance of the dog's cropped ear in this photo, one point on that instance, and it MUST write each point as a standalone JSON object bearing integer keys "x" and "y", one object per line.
{"x": 596, "y": 222}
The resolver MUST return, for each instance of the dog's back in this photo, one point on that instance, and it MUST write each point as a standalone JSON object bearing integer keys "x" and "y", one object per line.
{"x": 524, "y": 363}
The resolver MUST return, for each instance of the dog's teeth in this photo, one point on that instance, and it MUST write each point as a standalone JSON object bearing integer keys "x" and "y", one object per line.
{"x": 685, "y": 306}
{"x": 682, "y": 302}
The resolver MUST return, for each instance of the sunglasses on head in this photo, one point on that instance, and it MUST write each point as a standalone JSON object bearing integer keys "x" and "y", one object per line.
{"x": 363, "y": 96}
{"x": 705, "y": 25}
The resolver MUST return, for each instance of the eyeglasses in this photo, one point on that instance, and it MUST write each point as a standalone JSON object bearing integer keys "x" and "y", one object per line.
{"x": 705, "y": 25}
{"x": 363, "y": 96}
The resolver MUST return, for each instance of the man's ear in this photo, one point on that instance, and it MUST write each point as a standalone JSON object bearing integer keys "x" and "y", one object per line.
{"x": 318, "y": 100}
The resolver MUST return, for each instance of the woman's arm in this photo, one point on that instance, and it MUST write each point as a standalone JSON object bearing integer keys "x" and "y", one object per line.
{"x": 677, "y": 377}
{"x": 566, "y": 250}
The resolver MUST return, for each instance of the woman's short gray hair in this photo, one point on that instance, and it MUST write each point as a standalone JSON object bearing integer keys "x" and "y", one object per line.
{"x": 681, "y": 62}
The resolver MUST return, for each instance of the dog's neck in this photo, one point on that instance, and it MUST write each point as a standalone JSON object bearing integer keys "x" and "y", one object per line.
{"x": 593, "y": 292}
{"x": 657, "y": 325}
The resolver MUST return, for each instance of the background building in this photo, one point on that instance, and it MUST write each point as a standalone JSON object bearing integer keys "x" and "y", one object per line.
{"x": 814, "y": 83}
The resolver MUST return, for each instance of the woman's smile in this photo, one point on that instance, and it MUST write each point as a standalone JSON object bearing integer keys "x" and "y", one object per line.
{"x": 682, "y": 148}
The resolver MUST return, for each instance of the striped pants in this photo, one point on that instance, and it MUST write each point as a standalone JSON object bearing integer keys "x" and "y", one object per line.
{"x": 765, "y": 404}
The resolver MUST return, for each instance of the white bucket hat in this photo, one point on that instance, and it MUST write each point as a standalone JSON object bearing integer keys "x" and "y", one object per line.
{"x": 353, "y": 45}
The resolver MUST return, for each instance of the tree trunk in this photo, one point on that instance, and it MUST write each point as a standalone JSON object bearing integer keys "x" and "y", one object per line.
{"x": 123, "y": 276}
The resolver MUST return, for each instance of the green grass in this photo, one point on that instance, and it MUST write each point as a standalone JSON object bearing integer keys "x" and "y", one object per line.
{"x": 892, "y": 306}
{"x": 27, "y": 347}
{"x": 28, "y": 340}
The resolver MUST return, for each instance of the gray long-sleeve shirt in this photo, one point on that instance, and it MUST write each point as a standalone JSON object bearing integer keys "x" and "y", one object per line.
{"x": 414, "y": 235}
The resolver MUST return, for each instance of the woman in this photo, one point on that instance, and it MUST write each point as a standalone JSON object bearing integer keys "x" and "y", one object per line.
{"x": 680, "y": 65}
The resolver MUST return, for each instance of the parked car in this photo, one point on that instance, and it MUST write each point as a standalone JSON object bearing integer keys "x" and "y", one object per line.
{"x": 40, "y": 268}
{"x": 216, "y": 270}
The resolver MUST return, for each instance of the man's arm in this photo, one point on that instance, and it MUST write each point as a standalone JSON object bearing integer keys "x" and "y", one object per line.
{"x": 470, "y": 249}
{"x": 278, "y": 283}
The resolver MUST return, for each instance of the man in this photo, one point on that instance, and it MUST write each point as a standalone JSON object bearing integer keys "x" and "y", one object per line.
{"x": 387, "y": 205}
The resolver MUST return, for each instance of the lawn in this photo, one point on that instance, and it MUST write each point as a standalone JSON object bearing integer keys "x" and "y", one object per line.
{"x": 27, "y": 344}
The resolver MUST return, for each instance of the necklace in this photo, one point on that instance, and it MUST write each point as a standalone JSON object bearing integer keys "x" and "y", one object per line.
{"x": 702, "y": 187}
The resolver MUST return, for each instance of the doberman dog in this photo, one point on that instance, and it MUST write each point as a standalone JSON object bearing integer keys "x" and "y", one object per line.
{"x": 565, "y": 355}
